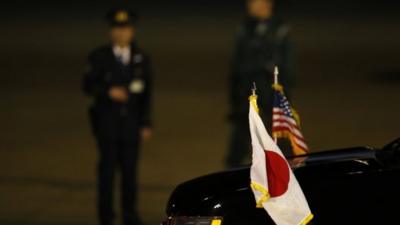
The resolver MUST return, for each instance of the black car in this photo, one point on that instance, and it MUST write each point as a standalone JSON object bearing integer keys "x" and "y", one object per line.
{"x": 347, "y": 186}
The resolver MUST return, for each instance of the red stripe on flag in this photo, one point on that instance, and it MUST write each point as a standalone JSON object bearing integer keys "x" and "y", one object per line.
{"x": 294, "y": 129}
{"x": 280, "y": 128}
{"x": 285, "y": 120}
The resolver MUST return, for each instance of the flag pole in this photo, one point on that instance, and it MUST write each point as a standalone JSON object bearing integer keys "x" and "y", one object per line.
{"x": 276, "y": 83}
{"x": 276, "y": 73}
{"x": 254, "y": 89}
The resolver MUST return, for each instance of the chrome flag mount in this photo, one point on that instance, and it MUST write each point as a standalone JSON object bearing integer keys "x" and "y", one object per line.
{"x": 273, "y": 183}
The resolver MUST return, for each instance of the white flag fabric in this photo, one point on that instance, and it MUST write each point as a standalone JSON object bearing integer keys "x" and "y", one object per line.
{"x": 273, "y": 183}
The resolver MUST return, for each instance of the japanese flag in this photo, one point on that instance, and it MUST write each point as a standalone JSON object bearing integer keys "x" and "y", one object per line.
{"x": 273, "y": 183}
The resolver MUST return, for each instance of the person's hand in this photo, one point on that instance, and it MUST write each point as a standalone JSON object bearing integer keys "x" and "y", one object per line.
{"x": 118, "y": 94}
{"x": 146, "y": 133}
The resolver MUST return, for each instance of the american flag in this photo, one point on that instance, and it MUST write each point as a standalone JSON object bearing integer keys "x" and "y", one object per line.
{"x": 284, "y": 124}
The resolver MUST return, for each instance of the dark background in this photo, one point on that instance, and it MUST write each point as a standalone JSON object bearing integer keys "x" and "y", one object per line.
{"x": 347, "y": 91}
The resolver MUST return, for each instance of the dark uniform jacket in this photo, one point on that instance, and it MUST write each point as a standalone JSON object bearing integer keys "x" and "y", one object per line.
{"x": 259, "y": 47}
{"x": 111, "y": 120}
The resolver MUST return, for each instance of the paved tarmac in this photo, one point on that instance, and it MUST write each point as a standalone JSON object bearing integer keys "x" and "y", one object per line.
{"x": 347, "y": 91}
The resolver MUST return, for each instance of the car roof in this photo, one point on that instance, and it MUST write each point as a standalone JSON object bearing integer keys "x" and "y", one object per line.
{"x": 339, "y": 155}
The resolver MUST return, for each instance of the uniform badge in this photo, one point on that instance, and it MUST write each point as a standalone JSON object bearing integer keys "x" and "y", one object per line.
{"x": 137, "y": 86}
{"x": 138, "y": 58}
{"x": 121, "y": 16}
{"x": 261, "y": 29}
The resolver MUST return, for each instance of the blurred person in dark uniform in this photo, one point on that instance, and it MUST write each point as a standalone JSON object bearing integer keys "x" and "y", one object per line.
{"x": 119, "y": 80}
{"x": 262, "y": 43}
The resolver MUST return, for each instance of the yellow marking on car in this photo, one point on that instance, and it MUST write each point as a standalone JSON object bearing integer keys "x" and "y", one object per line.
{"x": 216, "y": 222}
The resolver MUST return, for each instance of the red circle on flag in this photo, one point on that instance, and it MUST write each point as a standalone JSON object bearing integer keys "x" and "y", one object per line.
{"x": 277, "y": 173}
